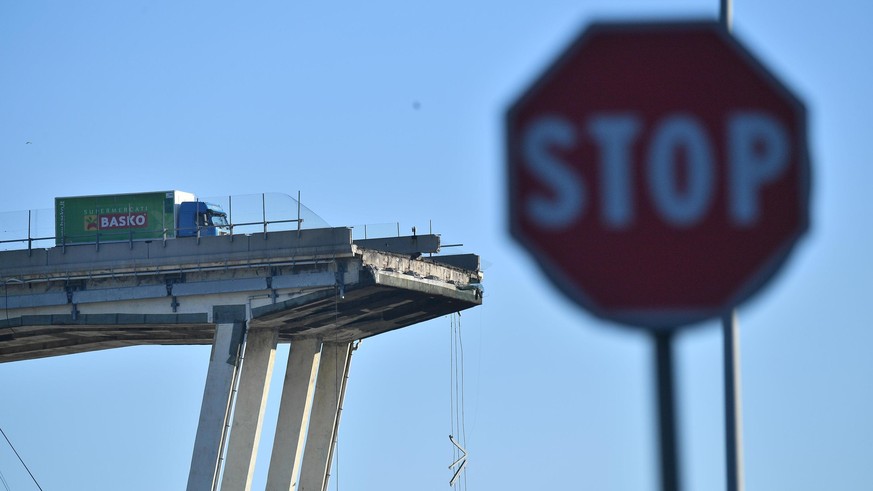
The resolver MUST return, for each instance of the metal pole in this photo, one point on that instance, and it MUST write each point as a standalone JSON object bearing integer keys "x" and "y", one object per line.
{"x": 29, "y": 240}
{"x": 732, "y": 410}
{"x": 667, "y": 411}
{"x": 733, "y": 423}
{"x": 725, "y": 14}
{"x": 230, "y": 216}
{"x": 264, "y": 212}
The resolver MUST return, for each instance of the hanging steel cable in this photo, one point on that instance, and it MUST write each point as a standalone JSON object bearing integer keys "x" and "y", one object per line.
{"x": 3, "y": 480}
{"x": 457, "y": 415}
{"x": 20, "y": 460}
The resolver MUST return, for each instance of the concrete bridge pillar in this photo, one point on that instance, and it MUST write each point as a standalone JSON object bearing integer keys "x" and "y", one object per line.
{"x": 223, "y": 363}
{"x": 248, "y": 412}
{"x": 314, "y": 387}
{"x": 294, "y": 410}
{"x": 324, "y": 422}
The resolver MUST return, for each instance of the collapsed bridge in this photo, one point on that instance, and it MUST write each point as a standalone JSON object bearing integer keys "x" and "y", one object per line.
{"x": 317, "y": 289}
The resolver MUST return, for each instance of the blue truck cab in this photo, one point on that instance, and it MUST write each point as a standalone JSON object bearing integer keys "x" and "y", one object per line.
{"x": 201, "y": 217}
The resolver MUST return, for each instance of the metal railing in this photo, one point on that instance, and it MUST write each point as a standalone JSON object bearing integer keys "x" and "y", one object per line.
{"x": 246, "y": 215}
{"x": 261, "y": 213}
{"x": 387, "y": 229}
{"x": 264, "y": 221}
{"x": 30, "y": 239}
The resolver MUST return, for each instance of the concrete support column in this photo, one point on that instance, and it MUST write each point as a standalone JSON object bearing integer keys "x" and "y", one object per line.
{"x": 324, "y": 422}
{"x": 229, "y": 329}
{"x": 248, "y": 413}
{"x": 294, "y": 410}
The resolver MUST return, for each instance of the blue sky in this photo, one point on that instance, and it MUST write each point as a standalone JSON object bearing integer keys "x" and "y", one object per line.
{"x": 391, "y": 111}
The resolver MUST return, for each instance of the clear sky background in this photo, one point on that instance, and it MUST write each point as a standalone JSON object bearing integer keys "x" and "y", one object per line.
{"x": 392, "y": 111}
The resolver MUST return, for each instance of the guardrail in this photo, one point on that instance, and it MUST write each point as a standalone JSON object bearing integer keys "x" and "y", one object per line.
{"x": 260, "y": 213}
{"x": 247, "y": 214}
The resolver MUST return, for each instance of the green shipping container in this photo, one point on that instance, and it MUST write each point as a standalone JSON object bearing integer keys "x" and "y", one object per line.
{"x": 117, "y": 217}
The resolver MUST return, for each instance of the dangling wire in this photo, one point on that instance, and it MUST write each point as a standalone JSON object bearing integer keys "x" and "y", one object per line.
{"x": 341, "y": 382}
{"x": 463, "y": 392}
{"x": 457, "y": 414}
{"x": 3, "y": 480}
{"x": 20, "y": 460}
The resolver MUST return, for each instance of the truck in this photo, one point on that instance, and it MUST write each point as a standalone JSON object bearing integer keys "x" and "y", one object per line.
{"x": 135, "y": 216}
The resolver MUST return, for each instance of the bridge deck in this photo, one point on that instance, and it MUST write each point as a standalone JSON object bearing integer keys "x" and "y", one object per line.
{"x": 313, "y": 283}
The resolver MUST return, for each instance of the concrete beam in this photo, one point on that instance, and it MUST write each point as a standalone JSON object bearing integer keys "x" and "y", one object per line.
{"x": 411, "y": 244}
{"x": 248, "y": 413}
{"x": 469, "y": 262}
{"x": 294, "y": 412}
{"x": 153, "y": 256}
{"x": 216, "y": 404}
{"x": 324, "y": 421}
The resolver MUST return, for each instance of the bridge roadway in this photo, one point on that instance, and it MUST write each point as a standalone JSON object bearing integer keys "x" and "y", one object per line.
{"x": 318, "y": 289}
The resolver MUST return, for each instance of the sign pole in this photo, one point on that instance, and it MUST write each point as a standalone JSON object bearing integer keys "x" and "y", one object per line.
{"x": 731, "y": 339}
{"x": 732, "y": 410}
{"x": 667, "y": 411}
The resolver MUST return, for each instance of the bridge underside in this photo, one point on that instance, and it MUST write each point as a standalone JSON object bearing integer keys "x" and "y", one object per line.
{"x": 317, "y": 289}
{"x": 316, "y": 284}
{"x": 363, "y": 311}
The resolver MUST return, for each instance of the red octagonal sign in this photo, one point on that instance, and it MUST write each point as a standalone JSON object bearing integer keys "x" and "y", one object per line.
{"x": 658, "y": 173}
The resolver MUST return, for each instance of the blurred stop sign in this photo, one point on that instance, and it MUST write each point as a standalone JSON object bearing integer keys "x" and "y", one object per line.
{"x": 658, "y": 173}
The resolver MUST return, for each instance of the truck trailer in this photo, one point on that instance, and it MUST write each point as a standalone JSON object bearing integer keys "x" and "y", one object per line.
{"x": 136, "y": 216}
